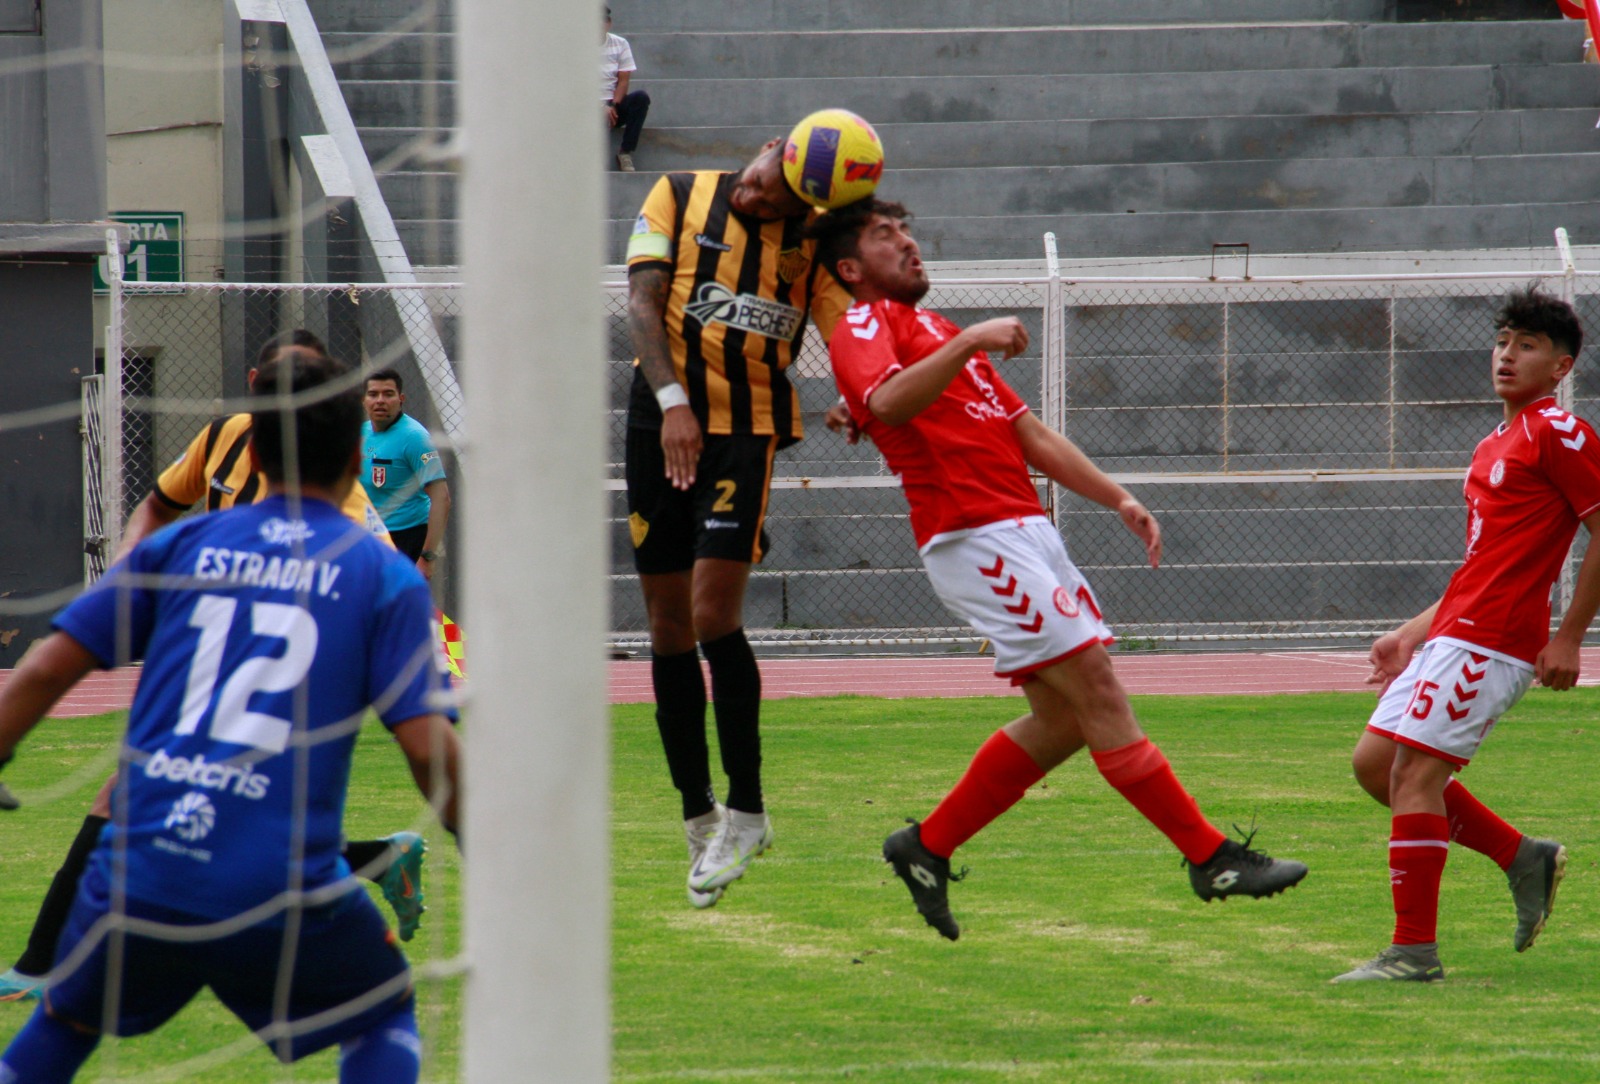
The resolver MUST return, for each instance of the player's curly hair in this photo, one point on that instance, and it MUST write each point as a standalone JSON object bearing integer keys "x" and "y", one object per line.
{"x": 1542, "y": 314}
{"x": 838, "y": 233}
{"x": 324, "y": 421}
{"x": 284, "y": 340}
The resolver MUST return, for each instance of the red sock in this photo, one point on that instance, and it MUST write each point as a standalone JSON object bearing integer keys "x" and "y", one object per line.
{"x": 996, "y": 779}
{"x": 1477, "y": 827}
{"x": 1418, "y": 846}
{"x": 1141, "y": 774}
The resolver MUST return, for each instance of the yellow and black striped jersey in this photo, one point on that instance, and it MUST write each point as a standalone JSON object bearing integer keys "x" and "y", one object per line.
{"x": 736, "y": 311}
{"x": 216, "y": 467}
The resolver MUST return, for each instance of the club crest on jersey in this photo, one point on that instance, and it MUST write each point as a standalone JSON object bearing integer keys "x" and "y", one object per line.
{"x": 379, "y": 475}
{"x": 714, "y": 303}
{"x": 1065, "y": 602}
{"x": 1497, "y": 473}
{"x": 285, "y": 532}
{"x": 792, "y": 263}
{"x": 192, "y": 817}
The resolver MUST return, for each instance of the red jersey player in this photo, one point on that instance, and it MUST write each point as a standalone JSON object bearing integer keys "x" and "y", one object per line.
{"x": 1532, "y": 481}
{"x": 962, "y": 443}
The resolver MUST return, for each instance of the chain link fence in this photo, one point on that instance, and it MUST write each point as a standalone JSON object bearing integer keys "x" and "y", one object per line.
{"x": 180, "y": 354}
{"x": 1302, "y": 442}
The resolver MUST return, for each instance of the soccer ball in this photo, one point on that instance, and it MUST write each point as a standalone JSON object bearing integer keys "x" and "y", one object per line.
{"x": 832, "y": 158}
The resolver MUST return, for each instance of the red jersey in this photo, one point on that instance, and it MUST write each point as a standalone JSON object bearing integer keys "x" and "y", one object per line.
{"x": 959, "y": 461}
{"x": 1530, "y": 483}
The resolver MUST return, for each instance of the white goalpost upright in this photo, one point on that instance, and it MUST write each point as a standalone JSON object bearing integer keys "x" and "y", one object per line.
{"x": 537, "y": 890}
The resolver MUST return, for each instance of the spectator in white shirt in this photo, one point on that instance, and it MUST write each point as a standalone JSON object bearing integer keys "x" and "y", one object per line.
{"x": 625, "y": 109}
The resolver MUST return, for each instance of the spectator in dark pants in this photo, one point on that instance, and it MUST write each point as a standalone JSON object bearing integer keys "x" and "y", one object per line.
{"x": 625, "y": 109}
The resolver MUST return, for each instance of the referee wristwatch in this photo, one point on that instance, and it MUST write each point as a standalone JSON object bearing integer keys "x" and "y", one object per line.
{"x": 429, "y": 555}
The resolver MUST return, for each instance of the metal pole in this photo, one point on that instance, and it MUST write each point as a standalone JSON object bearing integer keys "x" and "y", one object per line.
{"x": 1053, "y": 390}
{"x": 536, "y": 868}
{"x": 1564, "y": 399}
{"x": 111, "y": 400}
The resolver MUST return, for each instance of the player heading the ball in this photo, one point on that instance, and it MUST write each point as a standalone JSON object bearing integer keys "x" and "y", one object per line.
{"x": 962, "y": 442}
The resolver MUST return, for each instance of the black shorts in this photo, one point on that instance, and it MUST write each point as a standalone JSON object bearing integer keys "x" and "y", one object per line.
{"x": 409, "y": 540}
{"x": 722, "y": 515}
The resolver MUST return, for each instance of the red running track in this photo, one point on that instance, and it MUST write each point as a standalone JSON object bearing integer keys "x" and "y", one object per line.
{"x": 969, "y": 675}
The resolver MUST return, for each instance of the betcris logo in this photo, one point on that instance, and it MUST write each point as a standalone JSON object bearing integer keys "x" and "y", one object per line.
{"x": 285, "y": 532}
{"x": 242, "y": 779}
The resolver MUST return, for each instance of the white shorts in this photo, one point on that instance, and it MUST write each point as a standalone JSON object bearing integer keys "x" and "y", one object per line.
{"x": 1449, "y": 698}
{"x": 1013, "y": 582}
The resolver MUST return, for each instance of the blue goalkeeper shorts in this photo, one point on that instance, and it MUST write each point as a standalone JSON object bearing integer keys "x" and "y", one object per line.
{"x": 347, "y": 973}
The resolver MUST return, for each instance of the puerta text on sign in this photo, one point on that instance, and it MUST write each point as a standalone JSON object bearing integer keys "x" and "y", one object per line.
{"x": 155, "y": 249}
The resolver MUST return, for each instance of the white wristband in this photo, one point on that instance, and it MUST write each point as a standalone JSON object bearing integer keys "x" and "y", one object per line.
{"x": 672, "y": 395}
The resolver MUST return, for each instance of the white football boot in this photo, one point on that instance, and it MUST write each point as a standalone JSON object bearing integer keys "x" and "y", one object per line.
{"x": 699, "y": 831}
{"x": 740, "y": 838}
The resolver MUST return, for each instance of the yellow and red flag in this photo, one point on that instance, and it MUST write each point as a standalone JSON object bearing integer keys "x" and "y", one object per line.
{"x": 452, "y": 645}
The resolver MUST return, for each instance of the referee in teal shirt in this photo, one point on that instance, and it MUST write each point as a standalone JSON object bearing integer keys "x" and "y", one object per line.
{"x": 402, "y": 474}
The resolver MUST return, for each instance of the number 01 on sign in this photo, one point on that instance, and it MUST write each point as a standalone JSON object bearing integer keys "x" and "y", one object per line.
{"x": 155, "y": 249}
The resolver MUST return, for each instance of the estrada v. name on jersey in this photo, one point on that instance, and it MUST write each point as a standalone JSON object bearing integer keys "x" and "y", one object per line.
{"x": 247, "y": 568}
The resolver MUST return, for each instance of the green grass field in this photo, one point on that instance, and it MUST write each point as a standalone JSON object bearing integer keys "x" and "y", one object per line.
{"x": 1084, "y": 955}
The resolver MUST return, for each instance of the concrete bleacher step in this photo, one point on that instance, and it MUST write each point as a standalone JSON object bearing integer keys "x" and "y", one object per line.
{"x": 1062, "y": 50}
{"x": 383, "y": 16}
{"x": 1158, "y": 139}
{"x": 956, "y": 98}
{"x": 377, "y": 103}
{"x": 634, "y": 16}
{"x": 391, "y": 56}
{"x": 1191, "y": 233}
{"x": 1240, "y": 185}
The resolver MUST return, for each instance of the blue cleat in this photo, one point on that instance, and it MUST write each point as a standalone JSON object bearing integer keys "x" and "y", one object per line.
{"x": 402, "y": 881}
{"x": 15, "y": 986}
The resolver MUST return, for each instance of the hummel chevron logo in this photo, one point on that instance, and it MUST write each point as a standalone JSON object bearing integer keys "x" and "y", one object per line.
{"x": 1575, "y": 443}
{"x": 1008, "y": 590}
{"x": 1454, "y": 714}
{"x": 859, "y": 316}
{"x": 994, "y": 573}
{"x": 1022, "y": 607}
{"x": 924, "y": 876}
{"x": 1474, "y": 675}
{"x": 1463, "y": 695}
{"x": 1565, "y": 426}
{"x": 1034, "y": 626}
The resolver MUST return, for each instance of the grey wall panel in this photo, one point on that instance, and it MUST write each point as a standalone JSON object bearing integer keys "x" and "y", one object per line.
{"x": 23, "y": 181}
{"x": 19, "y": 16}
{"x": 47, "y": 348}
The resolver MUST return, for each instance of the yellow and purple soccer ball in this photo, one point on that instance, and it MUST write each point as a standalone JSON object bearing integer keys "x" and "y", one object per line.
{"x": 832, "y": 158}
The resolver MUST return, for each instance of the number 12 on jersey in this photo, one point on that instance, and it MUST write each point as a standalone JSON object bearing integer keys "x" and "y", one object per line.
{"x": 232, "y": 721}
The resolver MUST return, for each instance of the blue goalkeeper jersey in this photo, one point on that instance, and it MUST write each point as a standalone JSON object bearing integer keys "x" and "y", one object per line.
{"x": 265, "y": 637}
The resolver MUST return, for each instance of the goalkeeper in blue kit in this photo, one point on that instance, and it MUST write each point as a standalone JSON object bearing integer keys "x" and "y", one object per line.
{"x": 266, "y": 633}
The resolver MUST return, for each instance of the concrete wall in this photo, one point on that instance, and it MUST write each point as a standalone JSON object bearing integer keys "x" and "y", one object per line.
{"x": 52, "y": 196}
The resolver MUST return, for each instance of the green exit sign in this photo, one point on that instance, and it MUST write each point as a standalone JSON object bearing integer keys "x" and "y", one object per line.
{"x": 155, "y": 249}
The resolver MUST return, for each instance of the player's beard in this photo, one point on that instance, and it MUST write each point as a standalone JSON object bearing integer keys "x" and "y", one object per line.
{"x": 911, "y": 289}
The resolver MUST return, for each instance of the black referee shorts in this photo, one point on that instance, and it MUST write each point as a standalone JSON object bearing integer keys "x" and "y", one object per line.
{"x": 722, "y": 515}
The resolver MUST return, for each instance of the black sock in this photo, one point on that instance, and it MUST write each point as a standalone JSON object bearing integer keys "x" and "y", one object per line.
{"x": 736, "y": 699}
{"x": 362, "y": 853}
{"x": 681, "y": 718}
{"x": 41, "y": 951}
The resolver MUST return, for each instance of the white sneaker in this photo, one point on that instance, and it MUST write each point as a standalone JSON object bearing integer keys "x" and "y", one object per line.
{"x": 699, "y": 831}
{"x": 740, "y": 837}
